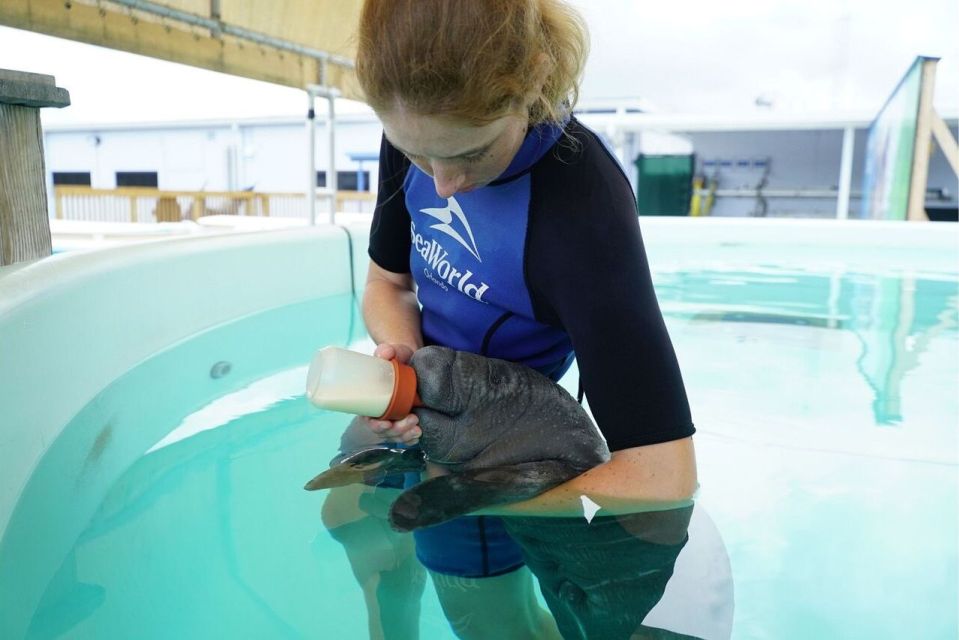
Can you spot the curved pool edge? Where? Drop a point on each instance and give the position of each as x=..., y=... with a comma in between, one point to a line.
x=72, y=323
x=87, y=291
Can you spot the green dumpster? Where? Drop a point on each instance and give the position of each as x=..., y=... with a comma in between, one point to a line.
x=664, y=184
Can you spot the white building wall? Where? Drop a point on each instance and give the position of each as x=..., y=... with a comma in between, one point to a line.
x=215, y=156
x=271, y=156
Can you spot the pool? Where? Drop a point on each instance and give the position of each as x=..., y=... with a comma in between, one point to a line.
x=154, y=449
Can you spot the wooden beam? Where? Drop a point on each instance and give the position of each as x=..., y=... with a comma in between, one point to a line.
x=942, y=134
x=109, y=26
x=916, y=209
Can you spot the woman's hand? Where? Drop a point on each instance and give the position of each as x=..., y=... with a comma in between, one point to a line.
x=406, y=430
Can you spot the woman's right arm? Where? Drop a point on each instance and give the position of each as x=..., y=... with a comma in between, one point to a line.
x=392, y=317
x=391, y=312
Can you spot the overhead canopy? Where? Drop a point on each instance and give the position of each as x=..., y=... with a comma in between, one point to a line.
x=289, y=42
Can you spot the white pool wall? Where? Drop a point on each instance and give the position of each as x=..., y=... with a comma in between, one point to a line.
x=73, y=323
x=823, y=246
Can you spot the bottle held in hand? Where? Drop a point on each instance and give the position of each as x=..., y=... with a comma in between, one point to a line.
x=350, y=382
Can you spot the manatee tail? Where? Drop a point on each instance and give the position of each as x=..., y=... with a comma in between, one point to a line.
x=440, y=499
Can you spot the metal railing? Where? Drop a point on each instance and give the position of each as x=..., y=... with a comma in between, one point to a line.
x=140, y=204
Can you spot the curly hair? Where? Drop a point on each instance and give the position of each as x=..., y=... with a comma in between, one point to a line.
x=473, y=59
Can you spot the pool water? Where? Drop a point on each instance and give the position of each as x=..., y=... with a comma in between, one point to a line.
x=827, y=445
x=172, y=507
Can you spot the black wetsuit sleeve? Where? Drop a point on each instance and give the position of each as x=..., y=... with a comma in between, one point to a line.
x=390, y=230
x=587, y=272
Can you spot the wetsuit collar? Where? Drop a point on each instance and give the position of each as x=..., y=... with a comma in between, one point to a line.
x=538, y=141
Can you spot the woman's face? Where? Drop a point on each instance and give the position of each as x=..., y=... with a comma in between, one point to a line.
x=459, y=156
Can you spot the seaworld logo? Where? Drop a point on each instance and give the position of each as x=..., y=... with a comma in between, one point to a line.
x=437, y=260
x=448, y=217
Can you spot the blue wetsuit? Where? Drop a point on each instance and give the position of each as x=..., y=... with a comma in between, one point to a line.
x=544, y=261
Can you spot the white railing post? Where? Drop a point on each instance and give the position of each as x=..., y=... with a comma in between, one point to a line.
x=845, y=173
x=311, y=163
x=331, y=172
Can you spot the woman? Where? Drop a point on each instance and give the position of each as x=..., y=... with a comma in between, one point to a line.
x=504, y=227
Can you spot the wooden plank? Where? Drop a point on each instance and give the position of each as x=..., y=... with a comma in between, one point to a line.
x=149, y=192
x=916, y=209
x=940, y=130
x=72, y=199
x=329, y=25
x=24, y=228
x=27, y=76
x=28, y=91
x=110, y=26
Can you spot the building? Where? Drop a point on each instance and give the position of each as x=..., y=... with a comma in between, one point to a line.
x=761, y=165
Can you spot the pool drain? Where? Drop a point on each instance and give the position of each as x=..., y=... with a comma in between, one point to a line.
x=220, y=369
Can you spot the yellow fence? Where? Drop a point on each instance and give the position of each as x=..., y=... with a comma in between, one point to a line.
x=136, y=204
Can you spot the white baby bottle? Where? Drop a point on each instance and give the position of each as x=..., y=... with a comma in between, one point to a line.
x=351, y=382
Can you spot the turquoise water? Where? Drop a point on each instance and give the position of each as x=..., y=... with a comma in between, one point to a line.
x=827, y=413
x=172, y=506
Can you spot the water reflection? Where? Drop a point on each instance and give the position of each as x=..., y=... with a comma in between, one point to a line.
x=894, y=318
x=601, y=578
x=383, y=561
x=897, y=318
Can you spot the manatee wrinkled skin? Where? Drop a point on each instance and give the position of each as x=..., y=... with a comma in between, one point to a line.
x=505, y=432
x=481, y=412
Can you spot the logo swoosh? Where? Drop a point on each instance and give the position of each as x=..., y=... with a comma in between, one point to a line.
x=448, y=217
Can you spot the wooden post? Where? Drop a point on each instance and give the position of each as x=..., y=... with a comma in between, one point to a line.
x=199, y=207
x=916, y=208
x=24, y=219
x=58, y=197
x=947, y=143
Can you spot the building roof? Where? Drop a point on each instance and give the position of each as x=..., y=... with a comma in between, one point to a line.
x=693, y=123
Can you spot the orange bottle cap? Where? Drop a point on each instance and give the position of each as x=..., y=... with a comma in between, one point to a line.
x=404, y=392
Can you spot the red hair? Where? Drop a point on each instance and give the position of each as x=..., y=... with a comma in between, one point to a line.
x=474, y=59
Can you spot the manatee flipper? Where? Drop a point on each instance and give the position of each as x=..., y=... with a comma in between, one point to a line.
x=368, y=466
x=440, y=499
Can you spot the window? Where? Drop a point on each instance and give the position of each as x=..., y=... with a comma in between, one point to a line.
x=347, y=180
x=80, y=178
x=137, y=179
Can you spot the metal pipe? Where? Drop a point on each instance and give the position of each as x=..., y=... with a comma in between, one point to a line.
x=845, y=173
x=331, y=172
x=777, y=193
x=330, y=94
x=311, y=164
x=233, y=159
x=218, y=26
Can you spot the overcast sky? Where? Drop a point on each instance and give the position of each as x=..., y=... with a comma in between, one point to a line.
x=683, y=56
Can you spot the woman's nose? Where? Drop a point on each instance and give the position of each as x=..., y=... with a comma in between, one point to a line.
x=447, y=178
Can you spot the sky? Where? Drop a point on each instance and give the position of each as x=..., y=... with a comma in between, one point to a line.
x=795, y=57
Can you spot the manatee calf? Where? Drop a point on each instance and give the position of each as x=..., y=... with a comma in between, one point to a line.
x=504, y=431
